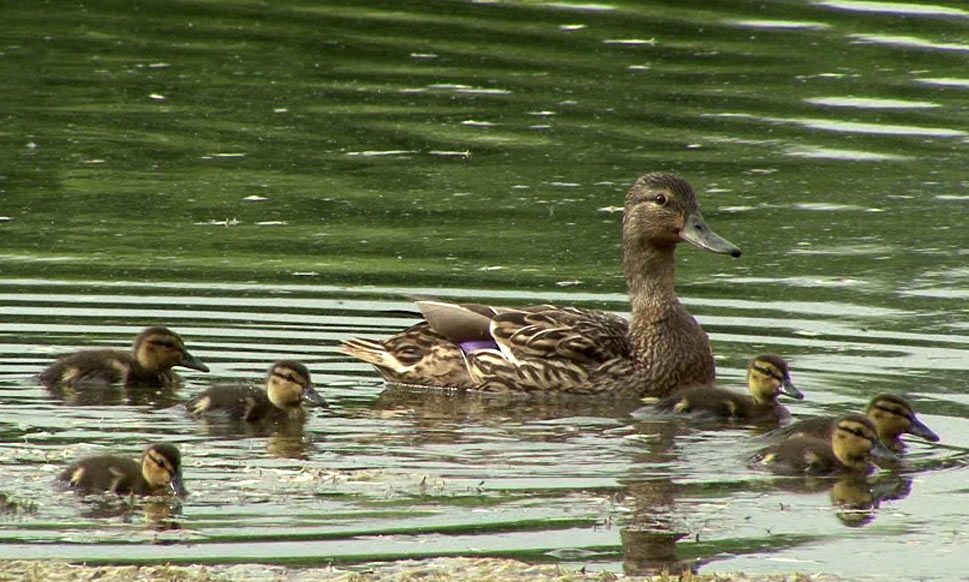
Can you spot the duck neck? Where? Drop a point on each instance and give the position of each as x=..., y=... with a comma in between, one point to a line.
x=651, y=275
x=851, y=459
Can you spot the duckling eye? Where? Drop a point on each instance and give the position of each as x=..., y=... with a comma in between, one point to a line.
x=660, y=199
x=895, y=412
x=159, y=462
x=768, y=372
x=163, y=343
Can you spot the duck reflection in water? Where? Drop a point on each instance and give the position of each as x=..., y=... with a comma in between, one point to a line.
x=443, y=415
x=158, y=513
x=275, y=410
x=856, y=499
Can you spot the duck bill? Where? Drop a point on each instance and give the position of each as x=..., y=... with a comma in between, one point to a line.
x=190, y=361
x=918, y=428
x=313, y=398
x=177, y=486
x=697, y=232
x=882, y=453
x=789, y=389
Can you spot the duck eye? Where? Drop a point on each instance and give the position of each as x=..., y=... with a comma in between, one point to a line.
x=661, y=199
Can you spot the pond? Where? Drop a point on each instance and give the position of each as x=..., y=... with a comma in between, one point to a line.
x=269, y=179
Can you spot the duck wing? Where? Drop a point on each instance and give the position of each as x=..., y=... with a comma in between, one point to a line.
x=551, y=349
x=471, y=345
x=586, y=337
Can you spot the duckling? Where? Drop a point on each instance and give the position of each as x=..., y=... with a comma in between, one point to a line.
x=156, y=350
x=892, y=416
x=287, y=386
x=768, y=376
x=850, y=448
x=159, y=472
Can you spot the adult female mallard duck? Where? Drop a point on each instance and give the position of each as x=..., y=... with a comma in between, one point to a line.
x=849, y=449
x=768, y=376
x=156, y=351
x=892, y=416
x=564, y=349
x=287, y=387
x=158, y=472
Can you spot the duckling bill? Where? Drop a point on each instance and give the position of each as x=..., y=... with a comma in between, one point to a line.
x=850, y=449
x=768, y=377
x=155, y=352
x=287, y=388
x=158, y=472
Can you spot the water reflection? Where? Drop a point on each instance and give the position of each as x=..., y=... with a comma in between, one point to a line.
x=157, y=513
x=285, y=437
x=395, y=165
x=429, y=406
x=115, y=395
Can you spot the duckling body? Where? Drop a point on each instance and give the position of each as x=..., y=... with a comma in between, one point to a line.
x=159, y=471
x=768, y=376
x=156, y=350
x=567, y=350
x=892, y=416
x=850, y=448
x=288, y=386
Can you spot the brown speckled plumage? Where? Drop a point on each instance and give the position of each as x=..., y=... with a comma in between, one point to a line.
x=567, y=350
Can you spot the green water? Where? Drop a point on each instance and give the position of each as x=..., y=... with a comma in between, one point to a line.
x=269, y=178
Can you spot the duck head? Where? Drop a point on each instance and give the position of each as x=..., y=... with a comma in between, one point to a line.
x=768, y=376
x=855, y=442
x=161, y=467
x=159, y=349
x=662, y=211
x=288, y=385
x=892, y=416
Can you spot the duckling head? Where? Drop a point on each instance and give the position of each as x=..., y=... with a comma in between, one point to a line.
x=768, y=376
x=662, y=211
x=288, y=385
x=161, y=466
x=892, y=416
x=159, y=349
x=854, y=442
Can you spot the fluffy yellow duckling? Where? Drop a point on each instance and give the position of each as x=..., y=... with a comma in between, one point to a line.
x=892, y=416
x=288, y=386
x=158, y=472
x=768, y=376
x=850, y=448
x=156, y=350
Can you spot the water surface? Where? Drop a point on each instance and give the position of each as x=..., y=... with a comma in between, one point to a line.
x=271, y=179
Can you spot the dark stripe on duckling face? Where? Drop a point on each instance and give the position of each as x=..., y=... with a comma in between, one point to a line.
x=858, y=432
x=289, y=385
x=774, y=367
x=855, y=439
x=905, y=420
x=161, y=468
